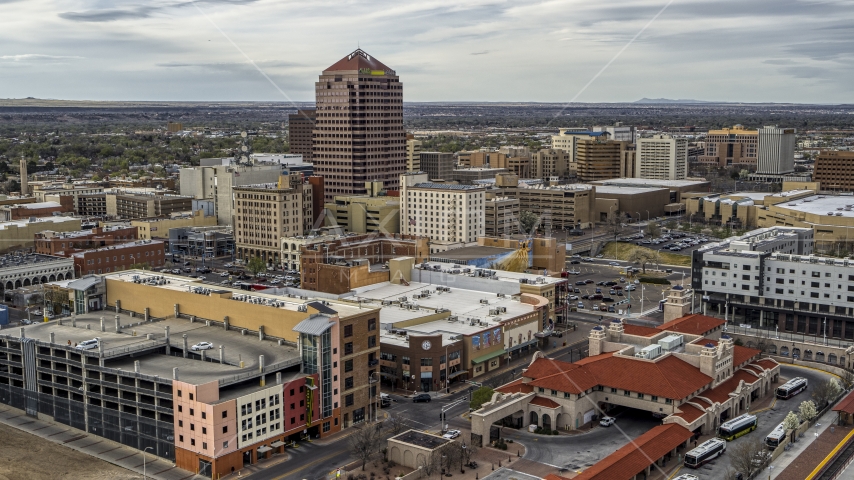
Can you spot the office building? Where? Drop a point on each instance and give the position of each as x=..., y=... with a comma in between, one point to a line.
x=75, y=190
x=216, y=181
x=148, y=254
x=49, y=242
x=550, y=163
x=443, y=212
x=834, y=170
x=470, y=175
x=679, y=189
x=501, y=216
x=437, y=165
x=559, y=207
x=207, y=242
x=519, y=165
x=598, y=158
x=359, y=136
x=21, y=233
x=300, y=128
x=619, y=132
x=35, y=210
x=150, y=228
x=662, y=157
x=776, y=151
x=364, y=214
x=265, y=213
x=731, y=146
x=413, y=154
x=124, y=206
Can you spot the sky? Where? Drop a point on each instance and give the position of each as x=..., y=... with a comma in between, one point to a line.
x=443, y=50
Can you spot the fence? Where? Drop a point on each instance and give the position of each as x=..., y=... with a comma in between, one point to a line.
x=771, y=334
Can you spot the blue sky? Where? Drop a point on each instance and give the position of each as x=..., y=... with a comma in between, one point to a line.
x=460, y=50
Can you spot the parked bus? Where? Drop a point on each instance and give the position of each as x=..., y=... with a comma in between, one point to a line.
x=792, y=388
x=705, y=452
x=775, y=437
x=738, y=426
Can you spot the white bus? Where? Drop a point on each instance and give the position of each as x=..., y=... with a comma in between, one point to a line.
x=775, y=437
x=792, y=388
x=738, y=426
x=705, y=452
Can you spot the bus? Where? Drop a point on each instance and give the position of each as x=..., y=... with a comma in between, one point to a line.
x=775, y=437
x=705, y=452
x=738, y=426
x=792, y=388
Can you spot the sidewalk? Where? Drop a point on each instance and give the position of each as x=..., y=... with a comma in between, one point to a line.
x=92, y=445
x=809, y=440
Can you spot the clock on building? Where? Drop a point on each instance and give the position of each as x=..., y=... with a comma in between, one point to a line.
x=426, y=345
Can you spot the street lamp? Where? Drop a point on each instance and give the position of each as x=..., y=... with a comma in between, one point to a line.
x=143, y=461
x=376, y=407
x=639, y=220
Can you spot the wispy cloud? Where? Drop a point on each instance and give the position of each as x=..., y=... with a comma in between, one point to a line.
x=37, y=57
x=480, y=53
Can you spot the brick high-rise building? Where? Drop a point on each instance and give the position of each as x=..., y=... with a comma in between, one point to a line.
x=358, y=134
x=731, y=146
x=300, y=127
x=598, y=158
x=834, y=170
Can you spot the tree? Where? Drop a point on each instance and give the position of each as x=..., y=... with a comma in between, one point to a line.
x=807, y=410
x=450, y=455
x=749, y=456
x=671, y=225
x=528, y=222
x=466, y=453
x=140, y=266
x=365, y=443
x=653, y=229
x=643, y=256
x=826, y=391
x=430, y=464
x=480, y=396
x=256, y=265
x=56, y=298
x=847, y=379
x=791, y=424
x=396, y=423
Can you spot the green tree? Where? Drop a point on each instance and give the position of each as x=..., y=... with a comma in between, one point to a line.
x=826, y=391
x=528, y=222
x=256, y=265
x=653, y=229
x=480, y=396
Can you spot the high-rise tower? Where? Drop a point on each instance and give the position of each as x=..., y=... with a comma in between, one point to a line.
x=358, y=132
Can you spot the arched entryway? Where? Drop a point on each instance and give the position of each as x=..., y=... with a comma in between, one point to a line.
x=547, y=421
x=558, y=421
x=533, y=419
x=784, y=351
x=831, y=358
x=807, y=354
x=796, y=353
x=52, y=278
x=27, y=282
x=819, y=356
x=44, y=279
x=772, y=349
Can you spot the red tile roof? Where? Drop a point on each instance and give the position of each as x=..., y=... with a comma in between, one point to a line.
x=356, y=60
x=689, y=412
x=692, y=324
x=516, y=386
x=595, y=358
x=846, y=404
x=669, y=377
x=740, y=355
x=552, y=476
x=544, y=402
x=640, y=330
x=721, y=393
x=767, y=363
x=633, y=458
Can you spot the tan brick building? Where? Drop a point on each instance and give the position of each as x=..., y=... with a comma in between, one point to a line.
x=65, y=243
x=300, y=127
x=116, y=258
x=834, y=170
x=731, y=146
x=598, y=158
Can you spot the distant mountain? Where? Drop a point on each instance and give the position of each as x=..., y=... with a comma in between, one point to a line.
x=668, y=100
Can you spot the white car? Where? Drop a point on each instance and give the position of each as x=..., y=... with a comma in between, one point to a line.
x=607, y=421
x=201, y=346
x=687, y=476
x=228, y=265
x=451, y=434
x=223, y=274
x=88, y=344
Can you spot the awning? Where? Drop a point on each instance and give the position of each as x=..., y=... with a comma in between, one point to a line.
x=489, y=356
x=277, y=444
x=264, y=449
x=457, y=374
x=520, y=345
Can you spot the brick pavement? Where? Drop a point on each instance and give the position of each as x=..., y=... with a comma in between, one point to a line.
x=816, y=450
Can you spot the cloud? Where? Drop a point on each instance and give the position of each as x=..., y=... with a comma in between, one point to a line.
x=480, y=53
x=108, y=15
x=783, y=61
x=37, y=57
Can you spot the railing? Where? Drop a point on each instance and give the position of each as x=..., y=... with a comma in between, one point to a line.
x=254, y=372
x=770, y=334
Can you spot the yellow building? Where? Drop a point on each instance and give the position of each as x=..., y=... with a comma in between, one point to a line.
x=21, y=233
x=740, y=210
x=364, y=214
x=159, y=227
x=413, y=154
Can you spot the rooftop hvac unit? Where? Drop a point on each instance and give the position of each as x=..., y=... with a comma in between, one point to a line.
x=403, y=299
x=484, y=301
x=302, y=308
x=523, y=280
x=493, y=311
x=502, y=309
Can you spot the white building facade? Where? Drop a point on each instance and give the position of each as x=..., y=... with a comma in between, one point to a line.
x=446, y=213
x=776, y=151
x=662, y=157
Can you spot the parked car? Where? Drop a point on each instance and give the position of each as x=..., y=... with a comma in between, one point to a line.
x=421, y=397
x=451, y=434
x=88, y=344
x=580, y=304
x=588, y=281
x=607, y=421
x=575, y=262
x=599, y=256
x=580, y=282
x=607, y=299
x=595, y=308
x=201, y=346
x=614, y=264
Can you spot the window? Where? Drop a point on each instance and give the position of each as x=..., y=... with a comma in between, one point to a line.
x=372, y=341
x=225, y=444
x=372, y=324
x=348, y=400
x=640, y=395
x=204, y=430
x=348, y=348
x=654, y=398
x=192, y=441
x=179, y=393
x=192, y=426
x=180, y=423
x=225, y=429
x=204, y=415
x=426, y=362
x=348, y=330
x=348, y=383
x=225, y=414
x=348, y=365
x=668, y=401
x=180, y=408
x=627, y=393
x=181, y=438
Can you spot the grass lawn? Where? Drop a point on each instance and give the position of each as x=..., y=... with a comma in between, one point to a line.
x=624, y=249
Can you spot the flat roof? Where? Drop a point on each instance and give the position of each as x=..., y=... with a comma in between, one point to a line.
x=132, y=340
x=651, y=182
x=421, y=439
x=24, y=223
x=17, y=260
x=35, y=205
x=473, y=252
x=626, y=190
x=119, y=246
x=181, y=283
x=501, y=275
x=822, y=205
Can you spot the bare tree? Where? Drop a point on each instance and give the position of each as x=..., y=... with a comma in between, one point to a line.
x=451, y=455
x=642, y=256
x=56, y=298
x=396, y=423
x=466, y=452
x=749, y=456
x=847, y=379
x=365, y=443
x=653, y=229
x=431, y=464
